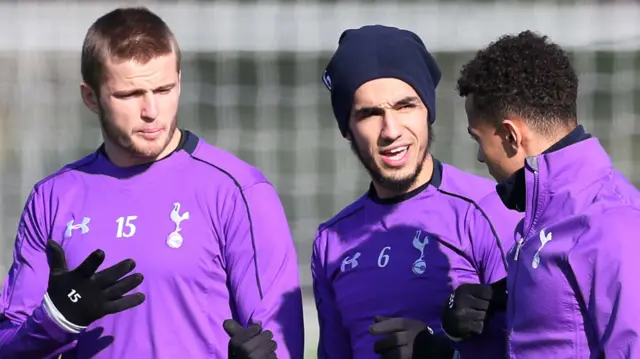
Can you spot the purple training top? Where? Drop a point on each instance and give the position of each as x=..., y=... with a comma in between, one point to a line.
x=208, y=232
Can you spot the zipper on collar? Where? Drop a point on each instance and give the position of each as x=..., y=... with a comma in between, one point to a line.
x=532, y=162
x=518, y=247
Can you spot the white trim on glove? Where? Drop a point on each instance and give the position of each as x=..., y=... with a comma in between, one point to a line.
x=453, y=339
x=58, y=318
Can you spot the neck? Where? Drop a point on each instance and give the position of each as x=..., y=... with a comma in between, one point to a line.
x=542, y=143
x=120, y=157
x=423, y=177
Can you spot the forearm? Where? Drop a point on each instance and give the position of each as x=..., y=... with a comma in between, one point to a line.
x=282, y=314
x=333, y=349
x=263, y=268
x=334, y=341
x=37, y=337
x=490, y=344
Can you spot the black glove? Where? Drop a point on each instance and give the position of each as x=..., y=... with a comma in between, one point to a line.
x=83, y=296
x=429, y=346
x=471, y=306
x=249, y=343
x=399, y=336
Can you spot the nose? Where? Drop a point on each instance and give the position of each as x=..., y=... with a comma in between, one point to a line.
x=391, y=128
x=149, y=107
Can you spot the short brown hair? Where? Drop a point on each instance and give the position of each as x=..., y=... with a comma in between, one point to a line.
x=133, y=33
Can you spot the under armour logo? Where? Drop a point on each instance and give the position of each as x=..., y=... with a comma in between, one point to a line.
x=348, y=261
x=82, y=226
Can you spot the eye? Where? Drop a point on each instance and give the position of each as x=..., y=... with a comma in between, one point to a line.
x=408, y=105
x=125, y=96
x=128, y=95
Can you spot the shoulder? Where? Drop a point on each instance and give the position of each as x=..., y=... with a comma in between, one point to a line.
x=485, y=214
x=224, y=166
x=464, y=185
x=612, y=213
x=344, y=215
x=606, y=242
x=478, y=192
x=333, y=237
x=343, y=219
x=610, y=224
x=67, y=177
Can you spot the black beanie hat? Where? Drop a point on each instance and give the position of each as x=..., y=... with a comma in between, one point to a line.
x=375, y=51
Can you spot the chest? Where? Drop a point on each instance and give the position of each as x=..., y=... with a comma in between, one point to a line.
x=406, y=272
x=169, y=233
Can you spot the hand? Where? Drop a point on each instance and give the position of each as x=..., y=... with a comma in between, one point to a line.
x=499, y=297
x=249, y=343
x=83, y=296
x=399, y=333
x=428, y=346
x=471, y=306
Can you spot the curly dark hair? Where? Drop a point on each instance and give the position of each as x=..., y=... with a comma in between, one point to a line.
x=526, y=75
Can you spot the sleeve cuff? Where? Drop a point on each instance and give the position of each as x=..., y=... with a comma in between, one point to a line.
x=453, y=339
x=58, y=318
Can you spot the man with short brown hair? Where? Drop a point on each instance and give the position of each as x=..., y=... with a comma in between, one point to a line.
x=207, y=230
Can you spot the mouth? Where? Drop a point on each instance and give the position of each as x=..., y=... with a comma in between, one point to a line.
x=150, y=134
x=395, y=157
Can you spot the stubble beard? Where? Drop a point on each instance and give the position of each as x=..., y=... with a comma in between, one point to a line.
x=126, y=144
x=392, y=183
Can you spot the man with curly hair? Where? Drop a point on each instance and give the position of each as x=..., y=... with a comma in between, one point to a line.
x=572, y=286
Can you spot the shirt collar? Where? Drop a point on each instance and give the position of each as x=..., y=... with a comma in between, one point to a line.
x=512, y=191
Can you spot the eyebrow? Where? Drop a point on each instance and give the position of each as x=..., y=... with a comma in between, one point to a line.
x=378, y=111
x=139, y=91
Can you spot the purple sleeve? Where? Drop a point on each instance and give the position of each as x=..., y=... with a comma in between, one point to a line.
x=492, y=228
x=263, y=267
x=605, y=266
x=334, y=338
x=26, y=330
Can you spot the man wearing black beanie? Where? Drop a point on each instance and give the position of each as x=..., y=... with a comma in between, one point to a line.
x=385, y=265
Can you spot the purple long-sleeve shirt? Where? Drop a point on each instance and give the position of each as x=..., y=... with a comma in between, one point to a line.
x=208, y=232
x=403, y=257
